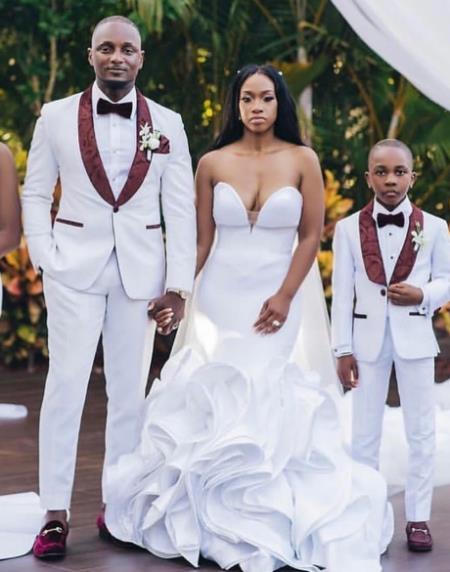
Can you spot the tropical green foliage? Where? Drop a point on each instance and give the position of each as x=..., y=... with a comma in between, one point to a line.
x=194, y=47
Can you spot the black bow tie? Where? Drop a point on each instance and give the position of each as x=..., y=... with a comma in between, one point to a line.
x=122, y=109
x=384, y=219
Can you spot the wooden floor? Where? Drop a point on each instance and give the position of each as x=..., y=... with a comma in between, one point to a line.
x=18, y=472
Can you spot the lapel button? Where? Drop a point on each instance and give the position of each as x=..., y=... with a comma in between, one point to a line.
x=115, y=209
x=383, y=291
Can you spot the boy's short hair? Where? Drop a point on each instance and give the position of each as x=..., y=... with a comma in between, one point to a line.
x=395, y=143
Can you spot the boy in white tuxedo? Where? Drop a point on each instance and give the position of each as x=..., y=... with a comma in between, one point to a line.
x=116, y=153
x=391, y=272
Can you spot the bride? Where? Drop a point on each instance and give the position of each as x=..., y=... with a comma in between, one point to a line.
x=241, y=458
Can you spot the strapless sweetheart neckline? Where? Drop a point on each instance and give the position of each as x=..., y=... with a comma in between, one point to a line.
x=257, y=213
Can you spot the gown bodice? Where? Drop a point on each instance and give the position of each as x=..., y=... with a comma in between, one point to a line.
x=272, y=229
x=248, y=264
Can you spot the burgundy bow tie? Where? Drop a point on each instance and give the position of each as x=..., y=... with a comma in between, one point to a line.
x=384, y=219
x=123, y=109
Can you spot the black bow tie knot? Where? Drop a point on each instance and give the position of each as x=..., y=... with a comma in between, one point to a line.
x=385, y=219
x=123, y=109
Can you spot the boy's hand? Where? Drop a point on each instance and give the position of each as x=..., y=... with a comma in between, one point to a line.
x=404, y=294
x=347, y=370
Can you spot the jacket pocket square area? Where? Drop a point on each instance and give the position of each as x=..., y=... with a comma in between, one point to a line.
x=69, y=222
x=164, y=146
x=417, y=314
x=360, y=316
x=152, y=226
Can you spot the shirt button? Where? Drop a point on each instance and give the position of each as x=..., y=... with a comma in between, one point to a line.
x=390, y=234
x=392, y=258
x=383, y=291
x=115, y=209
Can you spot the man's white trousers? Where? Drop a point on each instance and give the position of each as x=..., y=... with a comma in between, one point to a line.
x=76, y=319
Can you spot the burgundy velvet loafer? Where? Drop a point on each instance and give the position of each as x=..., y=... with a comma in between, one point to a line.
x=419, y=537
x=51, y=540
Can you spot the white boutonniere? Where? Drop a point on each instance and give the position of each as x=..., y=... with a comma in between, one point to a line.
x=418, y=237
x=150, y=139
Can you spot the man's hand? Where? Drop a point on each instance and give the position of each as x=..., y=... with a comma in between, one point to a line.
x=404, y=294
x=347, y=370
x=167, y=311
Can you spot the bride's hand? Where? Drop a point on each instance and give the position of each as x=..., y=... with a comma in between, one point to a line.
x=167, y=311
x=273, y=314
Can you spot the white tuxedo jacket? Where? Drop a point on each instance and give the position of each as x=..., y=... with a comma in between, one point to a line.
x=90, y=222
x=361, y=309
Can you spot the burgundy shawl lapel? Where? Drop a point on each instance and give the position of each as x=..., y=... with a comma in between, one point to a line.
x=89, y=150
x=141, y=164
x=370, y=247
x=408, y=255
x=91, y=156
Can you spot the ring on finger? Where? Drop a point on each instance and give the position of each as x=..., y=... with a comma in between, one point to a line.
x=276, y=323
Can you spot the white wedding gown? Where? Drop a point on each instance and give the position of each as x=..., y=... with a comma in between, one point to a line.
x=241, y=458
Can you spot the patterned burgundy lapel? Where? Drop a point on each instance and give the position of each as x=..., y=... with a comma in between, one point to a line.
x=91, y=156
x=141, y=164
x=408, y=255
x=370, y=247
x=89, y=150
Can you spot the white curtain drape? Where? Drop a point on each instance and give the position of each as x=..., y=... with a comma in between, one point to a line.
x=413, y=36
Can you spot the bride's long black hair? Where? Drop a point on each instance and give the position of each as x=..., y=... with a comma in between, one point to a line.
x=286, y=124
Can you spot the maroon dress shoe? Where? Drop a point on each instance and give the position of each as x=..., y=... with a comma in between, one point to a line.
x=51, y=540
x=418, y=537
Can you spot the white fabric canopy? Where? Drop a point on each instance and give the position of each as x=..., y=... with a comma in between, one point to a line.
x=413, y=36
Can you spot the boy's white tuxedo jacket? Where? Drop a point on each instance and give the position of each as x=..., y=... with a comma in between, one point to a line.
x=76, y=248
x=360, y=306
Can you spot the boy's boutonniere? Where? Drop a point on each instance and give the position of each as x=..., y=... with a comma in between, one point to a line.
x=150, y=139
x=418, y=237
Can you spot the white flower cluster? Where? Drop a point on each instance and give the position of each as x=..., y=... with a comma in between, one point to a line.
x=418, y=237
x=149, y=139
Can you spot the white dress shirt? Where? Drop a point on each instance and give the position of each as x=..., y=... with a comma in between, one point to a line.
x=392, y=237
x=116, y=139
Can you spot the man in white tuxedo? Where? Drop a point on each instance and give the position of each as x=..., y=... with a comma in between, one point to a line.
x=116, y=155
x=391, y=272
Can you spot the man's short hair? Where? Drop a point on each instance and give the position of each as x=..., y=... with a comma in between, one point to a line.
x=116, y=18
